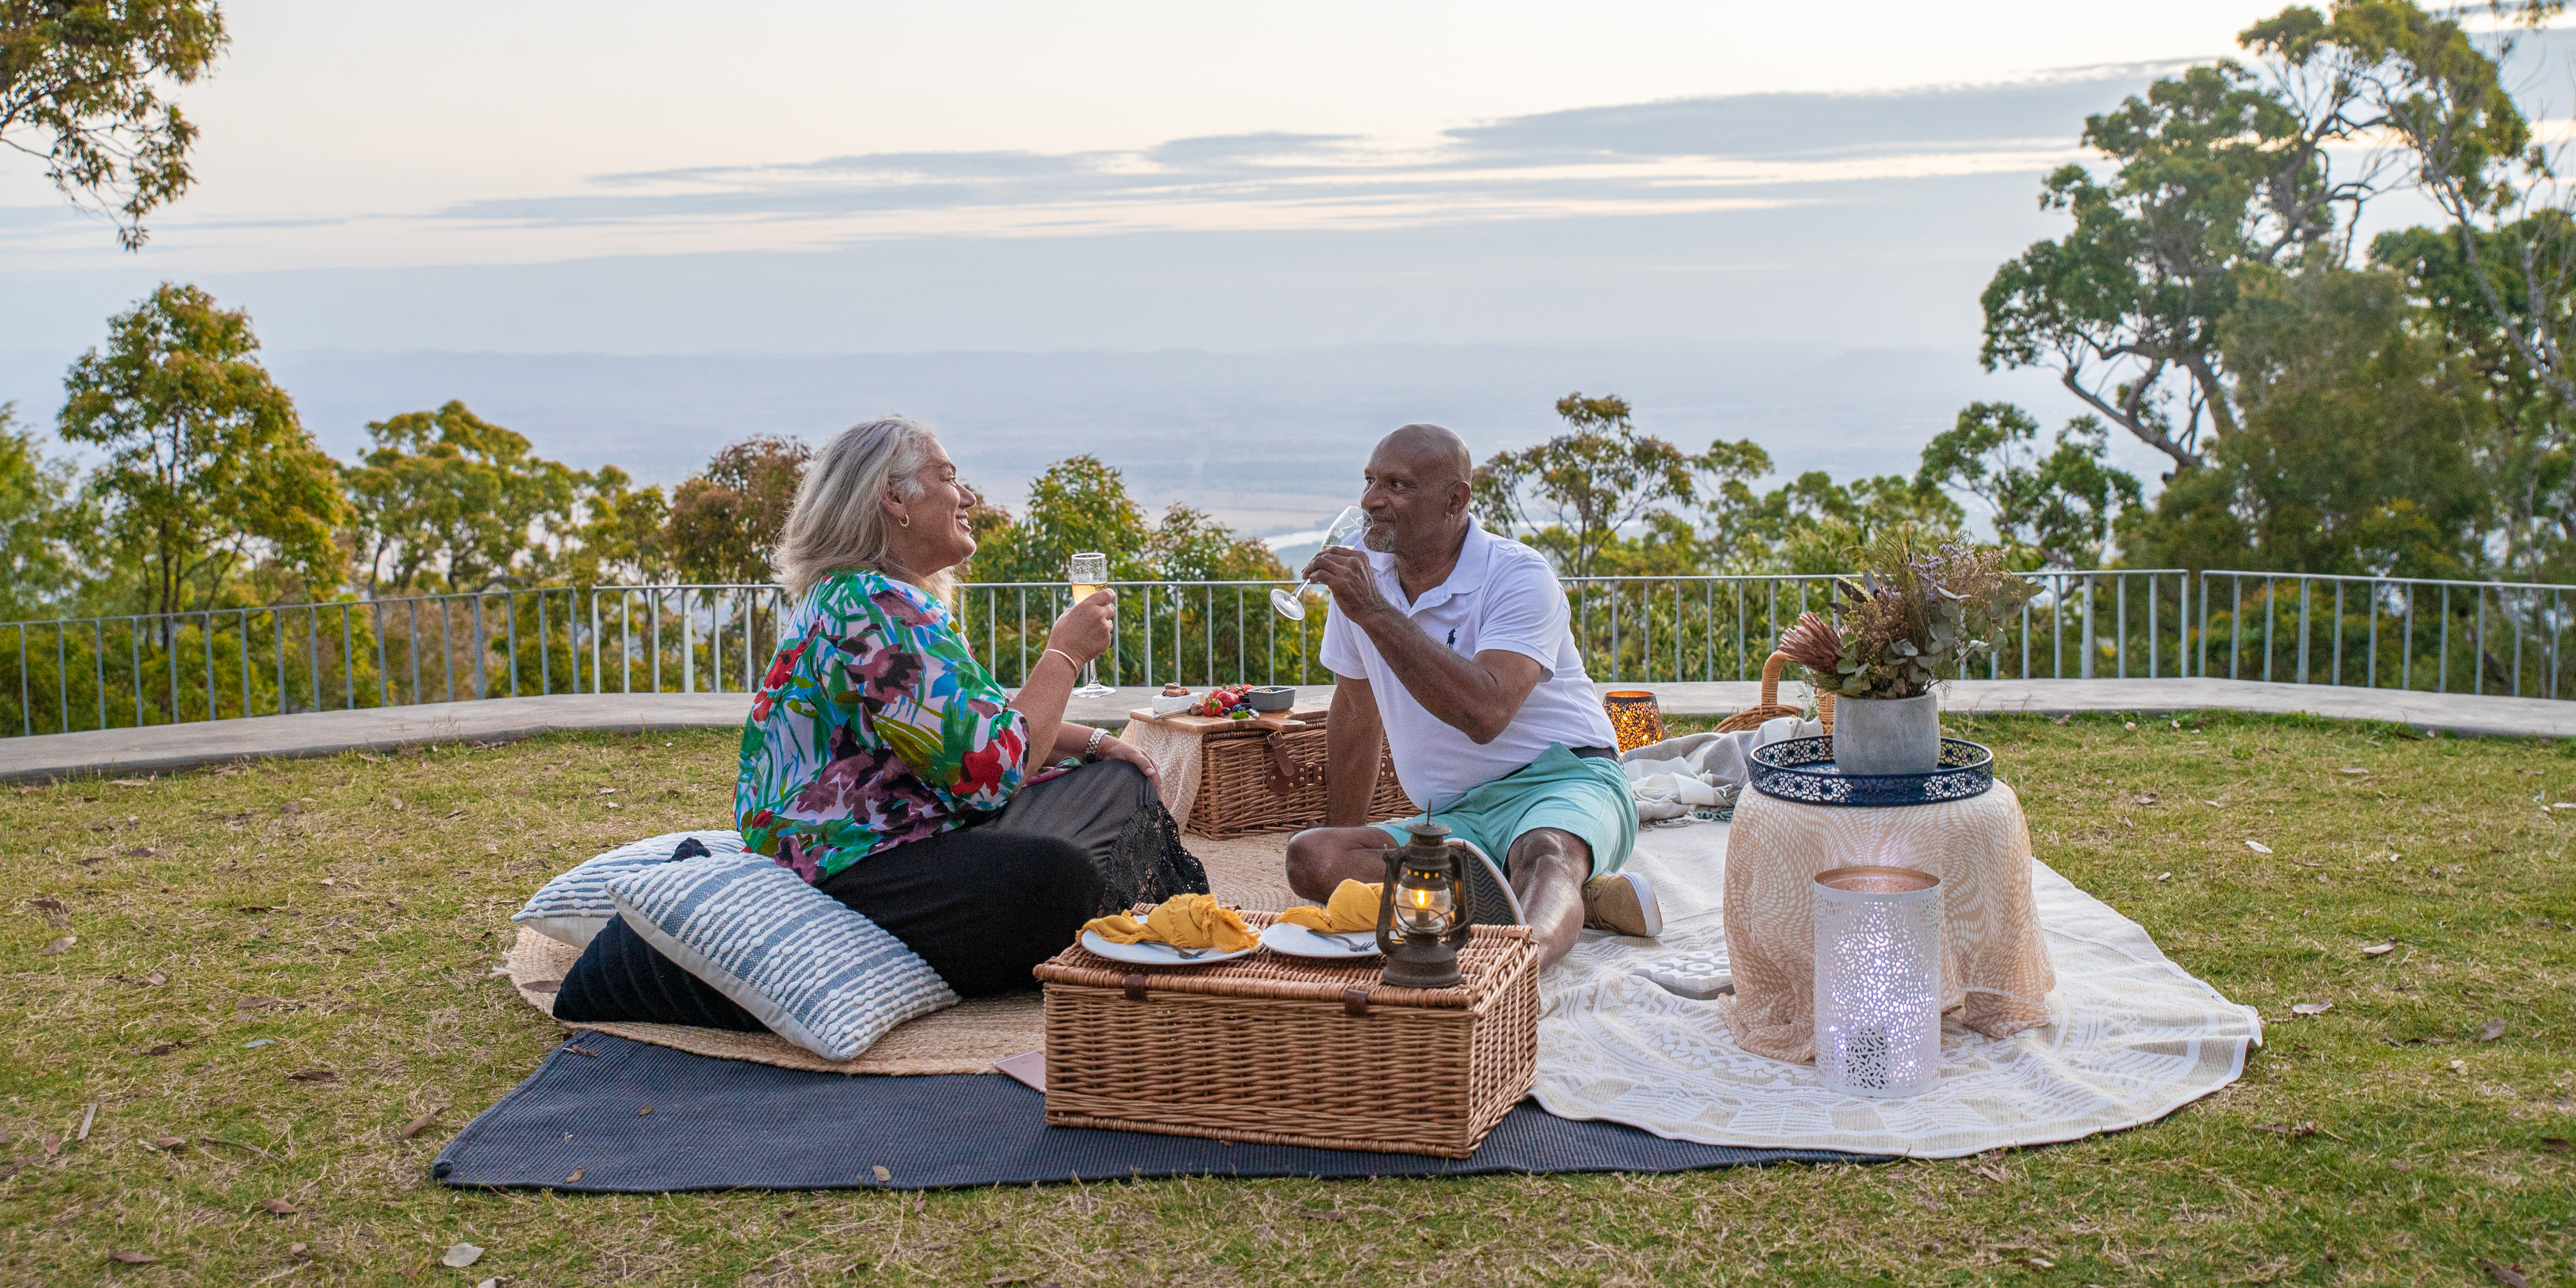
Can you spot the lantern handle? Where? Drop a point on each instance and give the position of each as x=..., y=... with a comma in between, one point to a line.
x=1462, y=892
x=1394, y=856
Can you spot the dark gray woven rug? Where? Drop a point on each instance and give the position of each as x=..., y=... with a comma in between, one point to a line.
x=576, y=1124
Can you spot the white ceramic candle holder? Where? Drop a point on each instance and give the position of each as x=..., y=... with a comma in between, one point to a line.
x=1878, y=980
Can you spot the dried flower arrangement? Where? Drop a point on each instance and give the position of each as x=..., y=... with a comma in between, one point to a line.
x=1915, y=616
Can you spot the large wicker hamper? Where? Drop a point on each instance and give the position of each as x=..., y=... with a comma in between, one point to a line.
x=1256, y=780
x=1285, y=1051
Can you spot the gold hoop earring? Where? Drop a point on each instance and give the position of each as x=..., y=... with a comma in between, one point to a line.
x=903, y=520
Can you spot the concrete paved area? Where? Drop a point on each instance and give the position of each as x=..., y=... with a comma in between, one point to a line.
x=165, y=748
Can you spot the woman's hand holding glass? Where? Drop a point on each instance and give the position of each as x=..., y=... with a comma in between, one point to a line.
x=1083, y=632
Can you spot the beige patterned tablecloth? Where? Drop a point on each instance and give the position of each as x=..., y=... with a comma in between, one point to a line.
x=1995, y=971
x=1177, y=755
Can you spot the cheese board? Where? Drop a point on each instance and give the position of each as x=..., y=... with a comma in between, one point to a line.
x=1272, y=720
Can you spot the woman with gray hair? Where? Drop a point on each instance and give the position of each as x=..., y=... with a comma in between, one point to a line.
x=883, y=763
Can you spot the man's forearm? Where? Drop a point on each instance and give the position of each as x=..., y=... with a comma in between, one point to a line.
x=1351, y=739
x=1458, y=691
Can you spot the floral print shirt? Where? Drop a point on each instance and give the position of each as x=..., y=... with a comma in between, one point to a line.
x=874, y=726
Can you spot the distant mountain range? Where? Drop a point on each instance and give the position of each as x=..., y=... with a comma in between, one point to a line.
x=1271, y=441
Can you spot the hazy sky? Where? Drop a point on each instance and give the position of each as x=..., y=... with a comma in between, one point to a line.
x=341, y=135
x=648, y=177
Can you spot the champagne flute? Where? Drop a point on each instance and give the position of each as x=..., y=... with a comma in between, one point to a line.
x=1089, y=574
x=1345, y=529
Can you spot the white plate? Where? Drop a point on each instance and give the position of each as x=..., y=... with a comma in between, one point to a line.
x=1297, y=941
x=1154, y=954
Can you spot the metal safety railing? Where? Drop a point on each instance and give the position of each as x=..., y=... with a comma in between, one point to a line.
x=225, y=663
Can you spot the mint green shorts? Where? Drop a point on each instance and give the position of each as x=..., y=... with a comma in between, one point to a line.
x=1584, y=795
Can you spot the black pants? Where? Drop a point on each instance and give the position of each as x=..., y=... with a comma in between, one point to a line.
x=982, y=903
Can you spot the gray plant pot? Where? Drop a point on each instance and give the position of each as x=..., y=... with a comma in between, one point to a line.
x=1887, y=735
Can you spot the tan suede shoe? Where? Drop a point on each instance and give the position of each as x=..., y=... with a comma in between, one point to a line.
x=1622, y=903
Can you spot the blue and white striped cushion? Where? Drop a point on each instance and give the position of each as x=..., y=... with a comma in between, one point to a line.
x=572, y=907
x=817, y=973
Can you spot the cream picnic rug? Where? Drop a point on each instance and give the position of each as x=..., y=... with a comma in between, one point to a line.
x=2131, y=1037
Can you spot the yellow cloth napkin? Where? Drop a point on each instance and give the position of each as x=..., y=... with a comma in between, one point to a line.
x=1183, y=921
x=1352, y=907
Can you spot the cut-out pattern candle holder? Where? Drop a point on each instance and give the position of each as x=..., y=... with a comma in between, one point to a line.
x=1878, y=980
x=1634, y=716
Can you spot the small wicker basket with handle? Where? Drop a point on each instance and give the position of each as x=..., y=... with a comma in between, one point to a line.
x=1771, y=708
x=1273, y=781
x=1285, y=1051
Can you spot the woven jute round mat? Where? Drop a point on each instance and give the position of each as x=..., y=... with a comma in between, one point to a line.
x=966, y=1038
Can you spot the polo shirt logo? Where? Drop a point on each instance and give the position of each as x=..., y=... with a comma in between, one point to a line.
x=1453, y=639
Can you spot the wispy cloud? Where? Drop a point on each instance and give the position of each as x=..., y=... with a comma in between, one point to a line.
x=1651, y=158
x=1682, y=156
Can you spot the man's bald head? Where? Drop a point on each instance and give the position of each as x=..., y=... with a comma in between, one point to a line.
x=1433, y=451
x=1419, y=488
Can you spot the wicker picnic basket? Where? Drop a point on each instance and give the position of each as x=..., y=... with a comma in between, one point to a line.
x=1771, y=708
x=1284, y=1051
x=1256, y=780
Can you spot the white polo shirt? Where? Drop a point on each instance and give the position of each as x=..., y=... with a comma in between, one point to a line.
x=1502, y=595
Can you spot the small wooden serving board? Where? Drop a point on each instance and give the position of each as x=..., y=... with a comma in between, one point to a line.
x=1185, y=723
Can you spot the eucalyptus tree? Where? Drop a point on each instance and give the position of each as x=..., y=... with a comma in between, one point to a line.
x=208, y=472
x=80, y=93
x=2218, y=172
x=447, y=500
x=2057, y=509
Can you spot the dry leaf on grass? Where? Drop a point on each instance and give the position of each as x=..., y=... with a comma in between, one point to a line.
x=168, y=1142
x=156, y=979
x=2310, y=1008
x=372, y=760
x=315, y=1075
x=2510, y=1276
x=48, y=905
x=2164, y=876
x=2557, y=1145
x=291, y=807
x=129, y=782
x=2258, y=847
x=251, y=1004
x=143, y=852
x=2380, y=949
x=2490, y=1031
x=165, y=1048
x=279, y=1207
x=397, y=804
x=461, y=1256
x=123, y=1257
x=55, y=949
x=2352, y=769
x=418, y=1125
x=53, y=1145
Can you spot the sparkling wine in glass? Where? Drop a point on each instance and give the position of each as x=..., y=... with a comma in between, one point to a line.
x=1345, y=530
x=1089, y=574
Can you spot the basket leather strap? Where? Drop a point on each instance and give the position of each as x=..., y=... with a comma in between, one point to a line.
x=1355, y=1002
x=1135, y=985
x=1286, y=775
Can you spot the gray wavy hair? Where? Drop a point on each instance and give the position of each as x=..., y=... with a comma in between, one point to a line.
x=837, y=524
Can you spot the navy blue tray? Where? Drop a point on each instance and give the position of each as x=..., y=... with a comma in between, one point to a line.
x=1803, y=770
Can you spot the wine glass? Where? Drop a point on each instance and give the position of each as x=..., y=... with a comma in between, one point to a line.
x=1345, y=530
x=1089, y=573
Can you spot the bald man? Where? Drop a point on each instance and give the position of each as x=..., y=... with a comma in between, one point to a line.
x=1455, y=642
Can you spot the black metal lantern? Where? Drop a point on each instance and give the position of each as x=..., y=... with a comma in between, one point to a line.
x=1428, y=909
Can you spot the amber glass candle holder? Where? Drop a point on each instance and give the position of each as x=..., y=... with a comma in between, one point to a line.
x=1634, y=716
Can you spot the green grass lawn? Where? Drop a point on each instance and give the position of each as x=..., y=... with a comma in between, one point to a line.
x=348, y=913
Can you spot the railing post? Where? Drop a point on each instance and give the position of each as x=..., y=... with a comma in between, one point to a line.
x=2442, y=659
x=2304, y=596
x=2338, y=633
x=688, y=645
